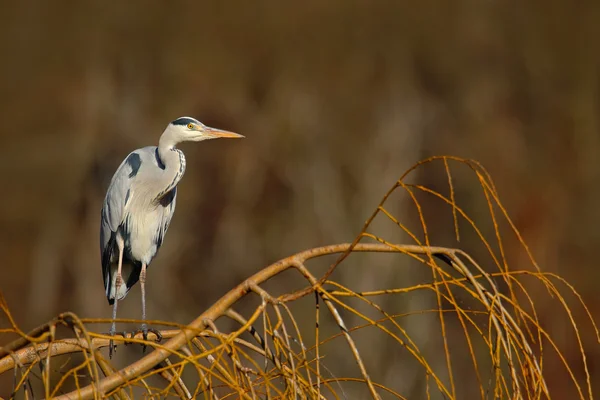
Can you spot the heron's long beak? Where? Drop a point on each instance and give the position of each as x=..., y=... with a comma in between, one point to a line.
x=219, y=133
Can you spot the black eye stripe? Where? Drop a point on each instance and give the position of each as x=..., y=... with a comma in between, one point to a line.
x=184, y=121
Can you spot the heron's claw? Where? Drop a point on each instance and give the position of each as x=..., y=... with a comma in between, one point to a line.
x=111, y=343
x=112, y=347
x=159, y=336
x=144, y=331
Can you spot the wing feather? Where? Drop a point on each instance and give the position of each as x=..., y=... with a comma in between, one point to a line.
x=113, y=210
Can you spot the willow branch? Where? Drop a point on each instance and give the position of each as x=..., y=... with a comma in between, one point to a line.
x=222, y=305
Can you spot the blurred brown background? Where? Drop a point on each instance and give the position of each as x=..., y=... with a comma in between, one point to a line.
x=336, y=99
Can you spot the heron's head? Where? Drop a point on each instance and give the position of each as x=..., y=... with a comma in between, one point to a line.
x=186, y=129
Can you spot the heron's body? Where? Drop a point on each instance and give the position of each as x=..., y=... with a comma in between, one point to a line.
x=131, y=216
x=139, y=205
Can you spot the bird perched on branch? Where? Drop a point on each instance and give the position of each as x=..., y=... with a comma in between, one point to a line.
x=138, y=208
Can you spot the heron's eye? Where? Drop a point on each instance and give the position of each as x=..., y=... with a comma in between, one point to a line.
x=190, y=126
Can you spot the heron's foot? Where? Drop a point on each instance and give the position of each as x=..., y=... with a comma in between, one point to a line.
x=112, y=347
x=143, y=329
x=111, y=343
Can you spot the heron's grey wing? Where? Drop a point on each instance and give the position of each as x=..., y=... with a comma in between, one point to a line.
x=113, y=209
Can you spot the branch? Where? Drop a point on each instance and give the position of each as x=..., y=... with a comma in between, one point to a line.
x=222, y=305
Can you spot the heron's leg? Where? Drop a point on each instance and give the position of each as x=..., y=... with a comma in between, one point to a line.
x=143, y=285
x=118, y=283
x=144, y=328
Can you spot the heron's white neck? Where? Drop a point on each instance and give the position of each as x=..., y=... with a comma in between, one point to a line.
x=173, y=161
x=167, y=141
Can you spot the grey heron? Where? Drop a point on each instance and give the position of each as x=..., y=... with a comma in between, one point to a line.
x=138, y=208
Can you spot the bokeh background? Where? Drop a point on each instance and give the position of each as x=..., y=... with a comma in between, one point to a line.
x=336, y=100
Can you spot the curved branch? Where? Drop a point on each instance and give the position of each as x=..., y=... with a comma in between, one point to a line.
x=222, y=305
